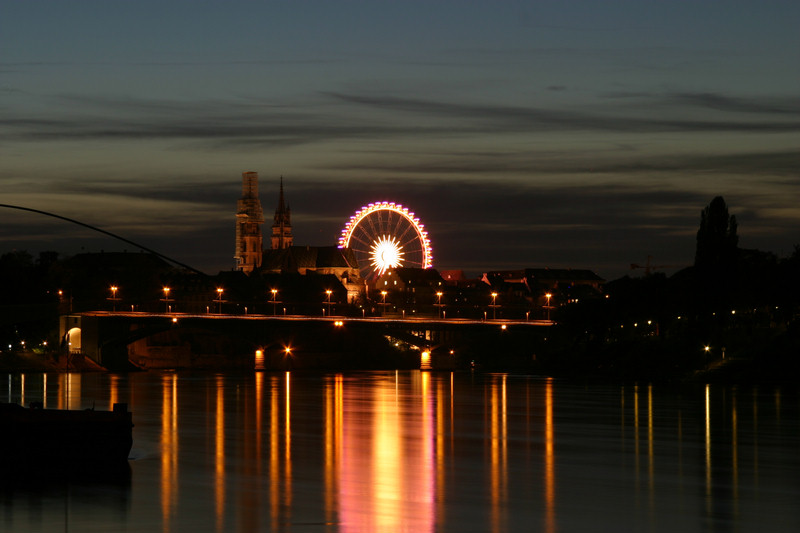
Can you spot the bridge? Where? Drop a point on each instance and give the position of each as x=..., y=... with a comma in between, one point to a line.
x=125, y=340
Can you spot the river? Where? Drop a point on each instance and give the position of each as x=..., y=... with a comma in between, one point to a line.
x=421, y=452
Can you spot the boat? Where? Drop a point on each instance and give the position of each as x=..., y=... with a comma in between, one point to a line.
x=35, y=439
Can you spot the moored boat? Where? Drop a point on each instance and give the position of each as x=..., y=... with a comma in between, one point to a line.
x=37, y=439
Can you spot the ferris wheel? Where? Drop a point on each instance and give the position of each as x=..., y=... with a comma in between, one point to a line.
x=386, y=235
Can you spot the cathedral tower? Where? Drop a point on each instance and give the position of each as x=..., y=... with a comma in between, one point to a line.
x=282, y=228
x=249, y=218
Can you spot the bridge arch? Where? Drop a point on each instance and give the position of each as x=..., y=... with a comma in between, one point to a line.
x=175, y=345
x=72, y=340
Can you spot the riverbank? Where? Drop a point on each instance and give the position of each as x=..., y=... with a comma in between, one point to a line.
x=752, y=359
x=18, y=362
x=740, y=357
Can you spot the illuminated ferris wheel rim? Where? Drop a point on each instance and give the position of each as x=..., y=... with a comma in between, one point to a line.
x=352, y=224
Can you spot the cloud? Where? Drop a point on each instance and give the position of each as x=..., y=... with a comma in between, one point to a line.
x=529, y=118
x=618, y=163
x=253, y=124
x=721, y=102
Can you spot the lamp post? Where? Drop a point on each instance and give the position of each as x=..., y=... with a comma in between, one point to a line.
x=166, y=299
x=383, y=311
x=494, y=306
x=220, y=290
x=274, y=294
x=113, y=297
x=439, y=302
x=329, y=292
x=548, y=296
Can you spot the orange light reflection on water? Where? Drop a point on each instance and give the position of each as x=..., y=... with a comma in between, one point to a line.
x=113, y=393
x=219, y=454
x=387, y=476
x=498, y=446
x=287, y=450
x=274, y=458
x=549, y=460
x=169, y=449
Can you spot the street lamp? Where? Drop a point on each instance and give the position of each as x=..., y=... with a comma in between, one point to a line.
x=274, y=294
x=439, y=302
x=548, y=296
x=114, y=297
x=383, y=293
x=329, y=292
x=166, y=299
x=220, y=290
x=494, y=305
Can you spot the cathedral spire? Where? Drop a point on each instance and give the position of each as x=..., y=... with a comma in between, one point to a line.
x=282, y=227
x=281, y=207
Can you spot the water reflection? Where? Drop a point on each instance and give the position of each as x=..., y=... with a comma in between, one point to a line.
x=169, y=449
x=549, y=460
x=420, y=451
x=386, y=477
x=498, y=435
x=219, y=453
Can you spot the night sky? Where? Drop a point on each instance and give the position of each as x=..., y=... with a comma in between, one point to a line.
x=524, y=134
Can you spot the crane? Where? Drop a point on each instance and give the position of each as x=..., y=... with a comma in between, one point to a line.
x=649, y=268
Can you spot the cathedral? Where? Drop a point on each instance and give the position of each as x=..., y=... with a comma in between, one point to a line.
x=249, y=217
x=283, y=256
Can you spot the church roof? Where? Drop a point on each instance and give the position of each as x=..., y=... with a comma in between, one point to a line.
x=294, y=258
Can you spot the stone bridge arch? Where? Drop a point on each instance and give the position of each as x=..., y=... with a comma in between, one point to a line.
x=180, y=344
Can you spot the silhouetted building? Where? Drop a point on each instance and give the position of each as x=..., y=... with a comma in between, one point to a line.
x=408, y=279
x=282, y=226
x=453, y=277
x=323, y=260
x=410, y=290
x=249, y=218
x=533, y=284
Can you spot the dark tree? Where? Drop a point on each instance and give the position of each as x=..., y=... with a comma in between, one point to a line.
x=716, y=238
x=715, y=261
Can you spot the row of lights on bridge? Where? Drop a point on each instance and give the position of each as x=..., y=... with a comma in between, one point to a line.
x=328, y=293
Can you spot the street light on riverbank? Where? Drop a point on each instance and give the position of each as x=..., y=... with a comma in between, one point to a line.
x=113, y=298
x=220, y=290
x=548, y=296
x=166, y=299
